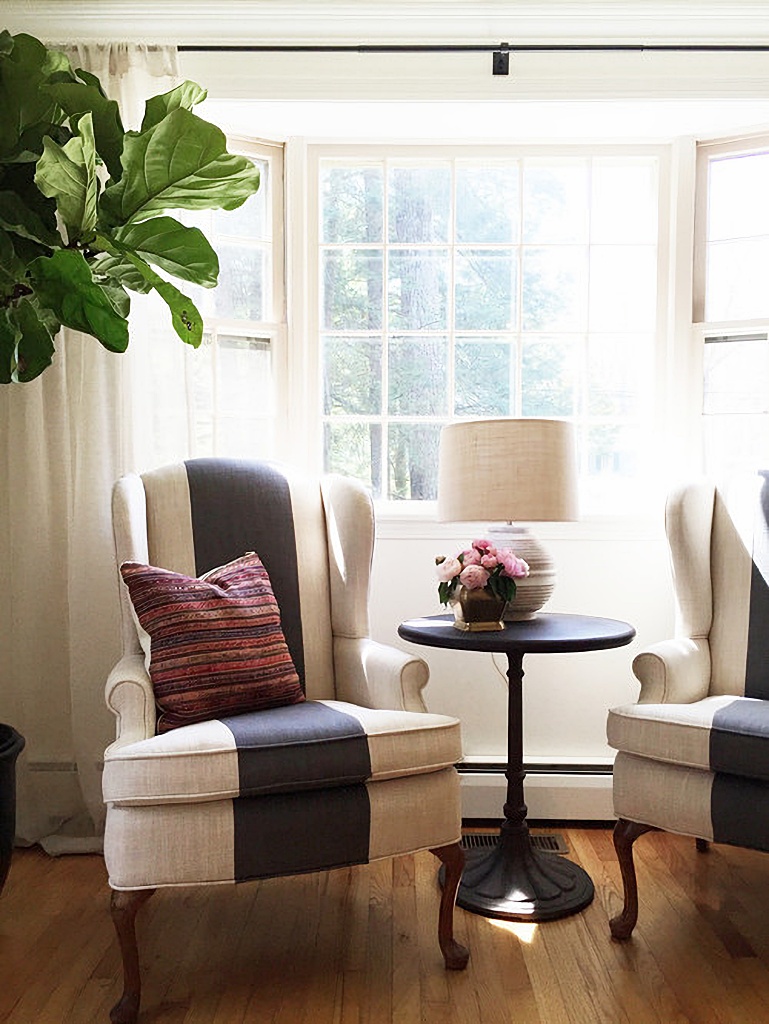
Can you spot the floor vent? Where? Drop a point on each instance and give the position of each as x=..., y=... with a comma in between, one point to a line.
x=551, y=842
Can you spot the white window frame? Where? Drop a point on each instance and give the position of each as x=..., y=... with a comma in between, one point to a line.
x=273, y=326
x=303, y=174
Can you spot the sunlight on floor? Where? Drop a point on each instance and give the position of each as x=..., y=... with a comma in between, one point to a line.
x=522, y=930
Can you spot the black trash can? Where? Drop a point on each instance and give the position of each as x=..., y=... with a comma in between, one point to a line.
x=11, y=745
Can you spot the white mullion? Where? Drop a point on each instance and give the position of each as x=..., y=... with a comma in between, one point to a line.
x=384, y=408
x=452, y=284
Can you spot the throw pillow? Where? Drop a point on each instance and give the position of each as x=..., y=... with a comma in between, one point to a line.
x=213, y=646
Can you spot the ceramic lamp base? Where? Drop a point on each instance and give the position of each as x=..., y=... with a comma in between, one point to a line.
x=536, y=589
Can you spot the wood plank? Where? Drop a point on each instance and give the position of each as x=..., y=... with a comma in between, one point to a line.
x=359, y=946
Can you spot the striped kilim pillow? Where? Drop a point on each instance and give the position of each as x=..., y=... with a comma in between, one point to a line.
x=214, y=646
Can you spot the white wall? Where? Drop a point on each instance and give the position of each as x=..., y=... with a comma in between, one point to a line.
x=602, y=570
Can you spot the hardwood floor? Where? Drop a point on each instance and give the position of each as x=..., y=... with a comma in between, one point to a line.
x=360, y=946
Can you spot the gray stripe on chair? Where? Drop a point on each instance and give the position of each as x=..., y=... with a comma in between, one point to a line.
x=739, y=739
x=239, y=506
x=304, y=746
x=739, y=810
x=292, y=833
x=757, y=658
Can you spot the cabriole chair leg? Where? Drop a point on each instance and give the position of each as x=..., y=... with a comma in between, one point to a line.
x=625, y=834
x=124, y=906
x=455, y=955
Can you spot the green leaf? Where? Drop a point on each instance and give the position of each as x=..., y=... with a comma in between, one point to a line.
x=88, y=95
x=182, y=251
x=26, y=110
x=16, y=216
x=65, y=284
x=6, y=42
x=11, y=267
x=186, y=320
x=9, y=337
x=180, y=163
x=110, y=267
x=35, y=348
x=157, y=107
x=68, y=175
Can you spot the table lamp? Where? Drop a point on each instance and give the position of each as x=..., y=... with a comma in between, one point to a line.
x=505, y=472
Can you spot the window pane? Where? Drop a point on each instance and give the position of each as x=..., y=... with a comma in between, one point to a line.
x=623, y=286
x=412, y=454
x=737, y=280
x=417, y=289
x=612, y=450
x=249, y=220
x=418, y=376
x=619, y=375
x=738, y=199
x=735, y=444
x=245, y=376
x=624, y=201
x=487, y=203
x=548, y=377
x=352, y=376
x=555, y=201
x=352, y=289
x=555, y=288
x=355, y=449
x=240, y=292
x=484, y=374
x=486, y=289
x=736, y=377
x=419, y=204
x=352, y=199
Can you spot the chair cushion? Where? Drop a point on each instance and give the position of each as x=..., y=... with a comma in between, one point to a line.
x=213, y=646
x=312, y=745
x=720, y=734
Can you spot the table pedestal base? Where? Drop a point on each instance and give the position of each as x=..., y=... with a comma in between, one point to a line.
x=517, y=882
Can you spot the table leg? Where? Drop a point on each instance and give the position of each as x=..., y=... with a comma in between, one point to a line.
x=515, y=881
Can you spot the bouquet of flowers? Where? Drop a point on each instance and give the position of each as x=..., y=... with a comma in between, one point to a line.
x=481, y=566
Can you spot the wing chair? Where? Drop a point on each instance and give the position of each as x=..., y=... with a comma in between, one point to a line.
x=693, y=753
x=347, y=767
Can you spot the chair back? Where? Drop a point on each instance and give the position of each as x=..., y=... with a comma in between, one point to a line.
x=719, y=539
x=194, y=516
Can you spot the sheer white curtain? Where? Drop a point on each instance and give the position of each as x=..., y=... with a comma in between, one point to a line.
x=66, y=438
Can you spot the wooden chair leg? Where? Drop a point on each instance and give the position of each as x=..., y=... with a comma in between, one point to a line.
x=453, y=859
x=625, y=834
x=124, y=907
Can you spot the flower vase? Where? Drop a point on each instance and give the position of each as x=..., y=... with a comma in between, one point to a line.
x=478, y=610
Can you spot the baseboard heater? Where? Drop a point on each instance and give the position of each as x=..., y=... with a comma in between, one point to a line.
x=548, y=842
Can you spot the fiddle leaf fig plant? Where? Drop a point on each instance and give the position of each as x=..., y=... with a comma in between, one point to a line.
x=84, y=205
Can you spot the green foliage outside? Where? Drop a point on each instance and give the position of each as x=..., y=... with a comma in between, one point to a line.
x=84, y=205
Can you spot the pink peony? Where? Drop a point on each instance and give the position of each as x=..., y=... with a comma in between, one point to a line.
x=489, y=560
x=471, y=557
x=448, y=569
x=513, y=566
x=474, y=577
x=484, y=546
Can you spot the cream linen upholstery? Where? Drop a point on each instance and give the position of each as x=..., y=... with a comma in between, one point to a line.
x=694, y=751
x=358, y=771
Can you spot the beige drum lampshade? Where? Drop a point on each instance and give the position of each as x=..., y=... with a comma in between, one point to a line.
x=511, y=471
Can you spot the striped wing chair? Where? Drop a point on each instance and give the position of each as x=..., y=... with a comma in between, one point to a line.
x=351, y=769
x=694, y=751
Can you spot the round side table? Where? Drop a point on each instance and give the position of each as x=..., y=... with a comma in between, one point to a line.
x=515, y=881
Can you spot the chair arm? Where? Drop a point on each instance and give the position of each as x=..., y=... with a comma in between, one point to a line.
x=131, y=700
x=375, y=675
x=673, y=672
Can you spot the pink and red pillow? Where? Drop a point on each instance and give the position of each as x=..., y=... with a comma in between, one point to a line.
x=214, y=646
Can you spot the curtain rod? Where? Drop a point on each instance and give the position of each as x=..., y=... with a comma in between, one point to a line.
x=501, y=51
